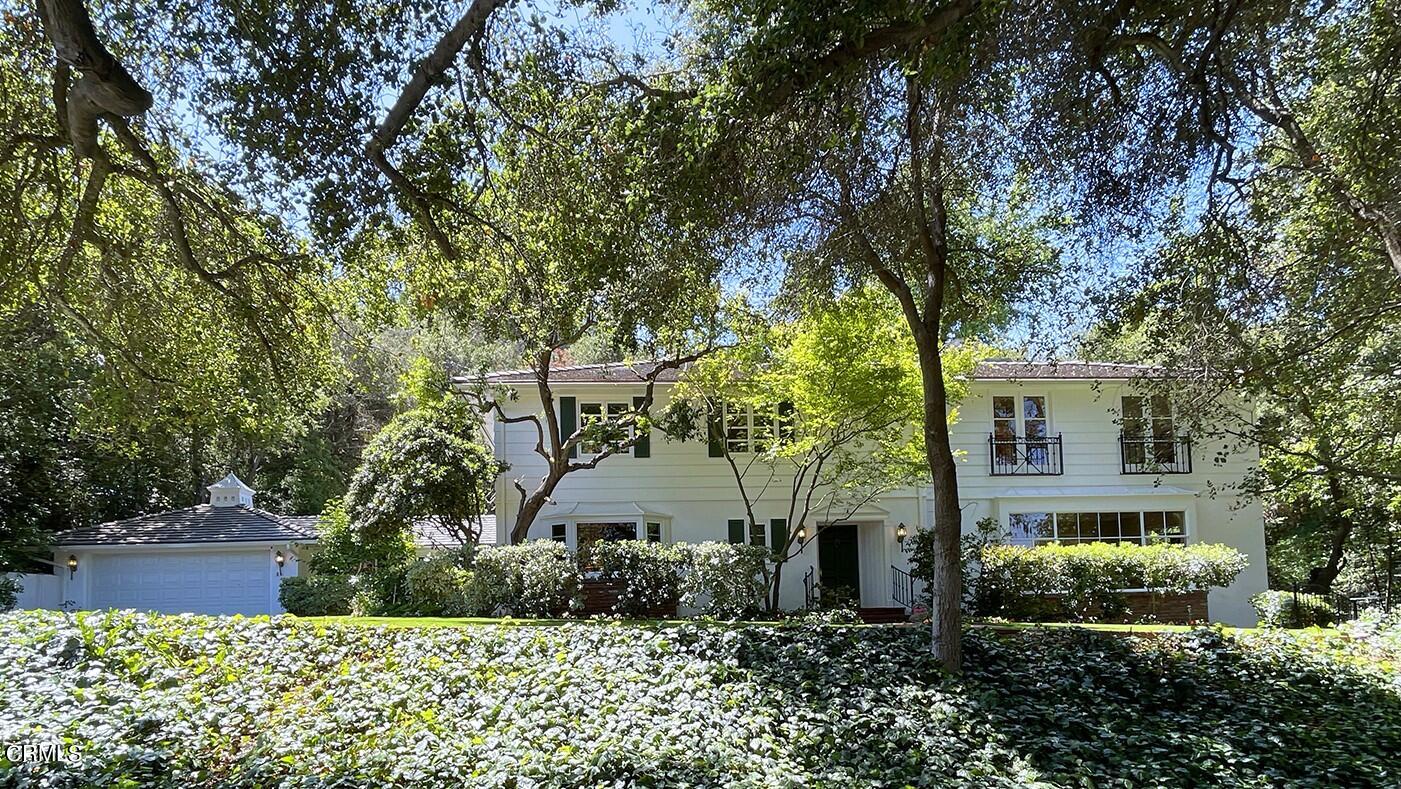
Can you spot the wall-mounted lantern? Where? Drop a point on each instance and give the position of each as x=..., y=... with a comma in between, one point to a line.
x=72, y=565
x=802, y=534
x=901, y=533
x=281, y=560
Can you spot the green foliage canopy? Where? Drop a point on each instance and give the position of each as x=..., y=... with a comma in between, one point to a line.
x=426, y=464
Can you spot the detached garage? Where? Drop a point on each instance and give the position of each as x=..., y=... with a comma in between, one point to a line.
x=224, y=557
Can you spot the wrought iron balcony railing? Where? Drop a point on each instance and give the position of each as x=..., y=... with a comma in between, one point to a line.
x=1025, y=456
x=1148, y=455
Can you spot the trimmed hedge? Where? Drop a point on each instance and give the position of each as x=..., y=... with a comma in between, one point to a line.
x=542, y=579
x=725, y=581
x=203, y=702
x=533, y=579
x=1087, y=580
x=316, y=595
x=442, y=585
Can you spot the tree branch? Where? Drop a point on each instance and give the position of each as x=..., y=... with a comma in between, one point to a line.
x=105, y=87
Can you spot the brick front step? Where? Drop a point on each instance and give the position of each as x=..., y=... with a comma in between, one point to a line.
x=883, y=615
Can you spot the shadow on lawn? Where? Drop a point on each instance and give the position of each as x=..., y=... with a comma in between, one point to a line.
x=1081, y=708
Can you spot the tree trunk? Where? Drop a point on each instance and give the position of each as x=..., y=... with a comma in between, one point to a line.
x=775, y=580
x=105, y=85
x=1321, y=578
x=196, y=461
x=946, y=583
x=531, y=505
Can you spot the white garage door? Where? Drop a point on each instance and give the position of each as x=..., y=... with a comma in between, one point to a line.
x=223, y=582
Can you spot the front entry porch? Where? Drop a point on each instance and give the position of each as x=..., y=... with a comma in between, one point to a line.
x=854, y=567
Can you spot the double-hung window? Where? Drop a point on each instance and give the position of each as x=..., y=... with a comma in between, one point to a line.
x=748, y=429
x=1148, y=430
x=757, y=536
x=598, y=413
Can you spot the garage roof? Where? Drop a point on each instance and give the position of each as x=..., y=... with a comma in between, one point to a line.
x=201, y=523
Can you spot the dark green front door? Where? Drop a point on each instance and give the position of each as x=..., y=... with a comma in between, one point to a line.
x=839, y=562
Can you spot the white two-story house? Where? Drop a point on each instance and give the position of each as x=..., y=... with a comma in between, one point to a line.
x=1068, y=451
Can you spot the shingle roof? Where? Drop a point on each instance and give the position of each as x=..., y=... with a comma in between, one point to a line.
x=608, y=372
x=208, y=524
x=201, y=523
x=426, y=533
x=618, y=372
x=1073, y=370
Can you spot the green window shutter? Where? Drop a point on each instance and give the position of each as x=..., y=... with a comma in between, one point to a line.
x=643, y=447
x=785, y=420
x=569, y=421
x=714, y=430
x=737, y=532
x=778, y=534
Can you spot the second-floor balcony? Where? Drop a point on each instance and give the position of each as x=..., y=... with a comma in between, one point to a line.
x=1155, y=454
x=1021, y=456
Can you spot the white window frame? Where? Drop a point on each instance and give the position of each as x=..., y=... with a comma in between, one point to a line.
x=1019, y=412
x=758, y=534
x=1020, y=445
x=1147, y=439
x=607, y=411
x=641, y=522
x=754, y=433
x=1184, y=538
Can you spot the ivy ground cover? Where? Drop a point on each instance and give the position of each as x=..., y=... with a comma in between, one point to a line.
x=195, y=701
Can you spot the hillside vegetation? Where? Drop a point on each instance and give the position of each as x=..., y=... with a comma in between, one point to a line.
x=193, y=701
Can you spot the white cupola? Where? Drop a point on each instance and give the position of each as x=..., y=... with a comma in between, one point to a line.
x=230, y=492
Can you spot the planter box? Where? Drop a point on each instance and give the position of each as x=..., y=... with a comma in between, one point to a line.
x=600, y=596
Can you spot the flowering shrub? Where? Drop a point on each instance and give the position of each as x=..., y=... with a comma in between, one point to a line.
x=442, y=585
x=1085, y=582
x=533, y=579
x=1376, y=638
x=316, y=595
x=650, y=573
x=1280, y=609
x=725, y=581
x=193, y=701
